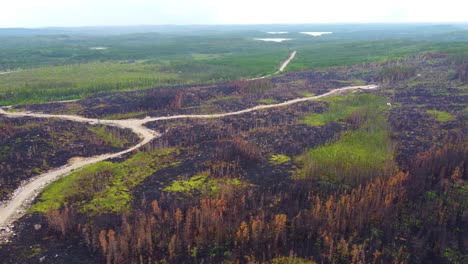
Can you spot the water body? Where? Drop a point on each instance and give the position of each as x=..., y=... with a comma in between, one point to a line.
x=273, y=39
x=316, y=34
x=98, y=48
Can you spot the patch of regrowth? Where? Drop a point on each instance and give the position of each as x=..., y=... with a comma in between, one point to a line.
x=278, y=159
x=345, y=107
x=224, y=98
x=268, y=101
x=441, y=116
x=204, y=184
x=35, y=250
x=307, y=94
x=356, y=150
x=105, y=187
x=365, y=151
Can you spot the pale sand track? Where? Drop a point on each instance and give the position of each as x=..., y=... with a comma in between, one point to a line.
x=281, y=68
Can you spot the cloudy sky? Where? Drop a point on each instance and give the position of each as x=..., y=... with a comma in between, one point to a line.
x=42, y=13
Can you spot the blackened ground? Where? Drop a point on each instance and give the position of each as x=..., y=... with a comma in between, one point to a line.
x=39, y=244
x=29, y=146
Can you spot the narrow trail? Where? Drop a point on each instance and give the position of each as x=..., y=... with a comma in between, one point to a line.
x=23, y=197
x=285, y=63
x=281, y=68
x=8, y=72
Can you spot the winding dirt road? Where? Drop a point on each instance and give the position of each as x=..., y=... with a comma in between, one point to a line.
x=15, y=208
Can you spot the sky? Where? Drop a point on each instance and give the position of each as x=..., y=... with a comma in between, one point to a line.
x=66, y=13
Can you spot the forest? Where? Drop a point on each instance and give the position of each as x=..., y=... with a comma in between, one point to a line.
x=60, y=64
x=357, y=176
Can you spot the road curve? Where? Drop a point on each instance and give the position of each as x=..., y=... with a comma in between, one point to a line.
x=15, y=208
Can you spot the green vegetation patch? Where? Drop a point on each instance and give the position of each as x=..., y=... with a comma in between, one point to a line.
x=355, y=150
x=307, y=94
x=441, y=116
x=343, y=107
x=105, y=186
x=203, y=183
x=125, y=68
x=77, y=81
x=224, y=98
x=325, y=55
x=278, y=159
x=366, y=149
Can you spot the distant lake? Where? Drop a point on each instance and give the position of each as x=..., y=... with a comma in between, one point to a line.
x=316, y=34
x=98, y=48
x=273, y=39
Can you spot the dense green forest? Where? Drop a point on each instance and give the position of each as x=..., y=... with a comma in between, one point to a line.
x=62, y=65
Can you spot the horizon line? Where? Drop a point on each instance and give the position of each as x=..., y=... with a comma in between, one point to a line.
x=253, y=24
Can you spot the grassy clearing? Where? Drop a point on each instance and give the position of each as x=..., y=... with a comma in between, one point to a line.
x=105, y=186
x=278, y=159
x=204, y=184
x=441, y=116
x=343, y=107
x=364, y=151
x=360, y=150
